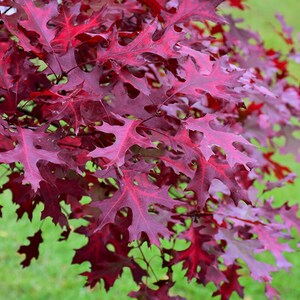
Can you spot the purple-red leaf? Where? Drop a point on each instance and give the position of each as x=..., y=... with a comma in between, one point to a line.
x=245, y=250
x=225, y=140
x=138, y=194
x=27, y=153
x=218, y=83
x=126, y=136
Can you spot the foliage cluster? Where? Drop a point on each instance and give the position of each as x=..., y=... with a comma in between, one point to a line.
x=146, y=119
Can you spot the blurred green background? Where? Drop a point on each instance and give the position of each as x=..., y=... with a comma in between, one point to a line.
x=53, y=277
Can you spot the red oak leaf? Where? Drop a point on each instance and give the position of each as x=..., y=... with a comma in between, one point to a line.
x=206, y=171
x=289, y=216
x=138, y=194
x=52, y=208
x=155, y=5
x=231, y=285
x=245, y=250
x=68, y=27
x=145, y=293
x=22, y=195
x=218, y=83
x=126, y=136
x=111, y=107
x=271, y=244
x=107, y=263
x=131, y=54
x=272, y=293
x=198, y=254
x=14, y=71
x=5, y=63
x=200, y=10
x=6, y=143
x=29, y=155
x=39, y=25
x=215, y=169
x=202, y=60
x=225, y=140
x=32, y=250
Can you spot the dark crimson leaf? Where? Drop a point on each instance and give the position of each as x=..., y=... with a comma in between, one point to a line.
x=22, y=195
x=107, y=251
x=6, y=77
x=198, y=254
x=155, y=6
x=6, y=143
x=145, y=293
x=50, y=196
x=231, y=284
x=32, y=250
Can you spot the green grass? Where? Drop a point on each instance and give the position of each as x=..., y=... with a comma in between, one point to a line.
x=53, y=277
x=261, y=18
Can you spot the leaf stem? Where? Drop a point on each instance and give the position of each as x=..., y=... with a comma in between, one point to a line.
x=146, y=261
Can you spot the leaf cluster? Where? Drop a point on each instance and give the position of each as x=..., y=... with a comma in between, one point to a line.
x=147, y=119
